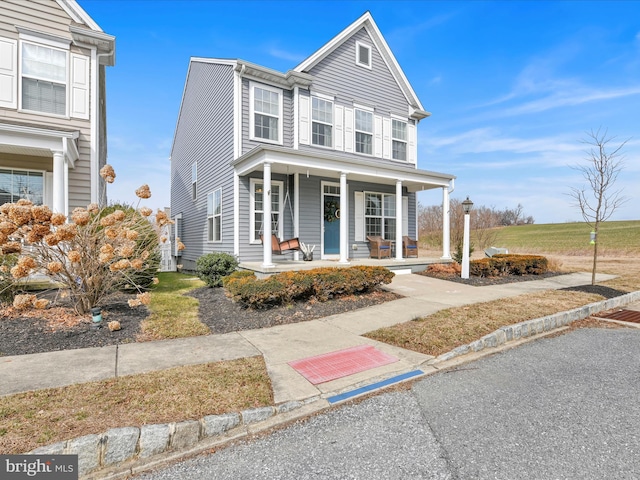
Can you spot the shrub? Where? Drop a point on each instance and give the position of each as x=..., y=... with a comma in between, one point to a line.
x=147, y=240
x=509, y=264
x=212, y=267
x=457, y=255
x=320, y=283
x=444, y=268
x=92, y=254
x=8, y=284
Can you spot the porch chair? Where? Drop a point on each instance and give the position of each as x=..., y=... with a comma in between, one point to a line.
x=281, y=247
x=409, y=247
x=379, y=247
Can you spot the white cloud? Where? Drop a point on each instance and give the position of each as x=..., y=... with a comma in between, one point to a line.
x=286, y=55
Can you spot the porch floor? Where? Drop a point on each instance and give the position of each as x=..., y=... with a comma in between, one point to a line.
x=407, y=265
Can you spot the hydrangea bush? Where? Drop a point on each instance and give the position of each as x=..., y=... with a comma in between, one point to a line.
x=95, y=253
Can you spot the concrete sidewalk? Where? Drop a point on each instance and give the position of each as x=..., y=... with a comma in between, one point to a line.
x=278, y=345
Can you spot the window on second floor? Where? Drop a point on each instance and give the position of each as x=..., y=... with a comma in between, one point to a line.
x=194, y=180
x=321, y=122
x=44, y=79
x=266, y=114
x=214, y=216
x=399, y=140
x=364, y=132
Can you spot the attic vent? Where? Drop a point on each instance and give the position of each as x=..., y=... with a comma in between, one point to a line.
x=363, y=55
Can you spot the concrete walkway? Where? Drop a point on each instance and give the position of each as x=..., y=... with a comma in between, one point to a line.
x=278, y=345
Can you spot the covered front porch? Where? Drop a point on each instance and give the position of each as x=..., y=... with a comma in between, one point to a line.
x=35, y=164
x=369, y=198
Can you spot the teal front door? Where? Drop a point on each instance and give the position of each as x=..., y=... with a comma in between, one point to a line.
x=331, y=225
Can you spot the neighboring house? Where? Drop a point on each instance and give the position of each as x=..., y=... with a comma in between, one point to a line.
x=52, y=103
x=326, y=152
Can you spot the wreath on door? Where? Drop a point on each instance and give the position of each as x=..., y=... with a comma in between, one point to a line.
x=331, y=211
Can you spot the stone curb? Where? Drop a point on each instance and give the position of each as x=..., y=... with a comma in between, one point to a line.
x=116, y=451
x=121, y=452
x=537, y=326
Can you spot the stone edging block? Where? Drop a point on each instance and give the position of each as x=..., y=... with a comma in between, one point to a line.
x=538, y=325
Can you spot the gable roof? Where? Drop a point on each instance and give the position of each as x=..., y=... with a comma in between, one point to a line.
x=366, y=21
x=77, y=14
x=88, y=32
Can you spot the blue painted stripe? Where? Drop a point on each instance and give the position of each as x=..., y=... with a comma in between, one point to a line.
x=374, y=386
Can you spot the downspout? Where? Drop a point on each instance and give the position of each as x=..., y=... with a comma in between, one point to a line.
x=95, y=125
x=446, y=224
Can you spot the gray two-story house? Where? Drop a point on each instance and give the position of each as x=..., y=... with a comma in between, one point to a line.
x=53, y=142
x=326, y=152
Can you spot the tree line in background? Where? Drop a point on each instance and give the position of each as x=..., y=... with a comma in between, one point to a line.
x=484, y=223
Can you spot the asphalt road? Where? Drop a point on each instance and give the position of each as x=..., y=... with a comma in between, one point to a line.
x=558, y=408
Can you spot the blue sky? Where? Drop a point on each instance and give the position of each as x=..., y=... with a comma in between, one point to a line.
x=512, y=86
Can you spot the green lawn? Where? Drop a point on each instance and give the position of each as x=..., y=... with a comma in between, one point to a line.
x=567, y=238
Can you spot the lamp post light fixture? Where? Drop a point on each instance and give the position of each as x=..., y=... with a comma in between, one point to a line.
x=466, y=206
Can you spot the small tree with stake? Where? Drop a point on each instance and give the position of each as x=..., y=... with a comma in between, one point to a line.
x=598, y=200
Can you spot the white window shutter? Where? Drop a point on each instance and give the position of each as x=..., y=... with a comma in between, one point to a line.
x=303, y=102
x=377, y=136
x=412, y=147
x=8, y=73
x=339, y=126
x=348, y=130
x=358, y=217
x=405, y=215
x=79, y=86
x=386, y=138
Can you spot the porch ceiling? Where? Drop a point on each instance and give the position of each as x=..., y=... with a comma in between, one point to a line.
x=20, y=139
x=288, y=161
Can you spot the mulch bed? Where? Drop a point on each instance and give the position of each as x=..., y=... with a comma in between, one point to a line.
x=606, y=292
x=56, y=328
x=37, y=331
x=231, y=317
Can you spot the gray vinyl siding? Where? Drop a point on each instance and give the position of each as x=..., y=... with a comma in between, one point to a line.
x=204, y=133
x=287, y=121
x=339, y=75
x=48, y=17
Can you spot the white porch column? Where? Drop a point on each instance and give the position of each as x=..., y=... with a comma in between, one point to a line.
x=344, y=227
x=59, y=187
x=446, y=248
x=267, y=260
x=399, y=221
x=296, y=211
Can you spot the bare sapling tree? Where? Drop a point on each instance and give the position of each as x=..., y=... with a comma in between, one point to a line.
x=598, y=199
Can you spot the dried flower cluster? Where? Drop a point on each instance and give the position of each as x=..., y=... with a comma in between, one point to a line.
x=93, y=254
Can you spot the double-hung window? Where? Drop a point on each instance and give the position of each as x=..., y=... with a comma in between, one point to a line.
x=260, y=226
x=266, y=114
x=44, y=79
x=380, y=214
x=364, y=132
x=321, y=122
x=399, y=140
x=21, y=184
x=214, y=216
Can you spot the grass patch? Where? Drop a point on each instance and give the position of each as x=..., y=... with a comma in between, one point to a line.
x=447, y=329
x=33, y=419
x=571, y=238
x=174, y=315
